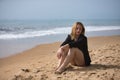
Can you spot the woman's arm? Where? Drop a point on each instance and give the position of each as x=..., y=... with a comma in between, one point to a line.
x=67, y=40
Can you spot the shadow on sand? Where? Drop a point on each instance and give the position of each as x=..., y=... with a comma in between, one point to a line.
x=94, y=67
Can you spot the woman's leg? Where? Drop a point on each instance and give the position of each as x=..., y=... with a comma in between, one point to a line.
x=61, y=60
x=73, y=53
x=78, y=59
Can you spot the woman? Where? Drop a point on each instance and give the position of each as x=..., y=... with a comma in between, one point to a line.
x=74, y=49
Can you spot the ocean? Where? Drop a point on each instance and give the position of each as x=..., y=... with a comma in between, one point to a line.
x=26, y=34
x=17, y=29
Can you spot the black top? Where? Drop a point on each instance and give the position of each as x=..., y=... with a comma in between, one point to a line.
x=81, y=44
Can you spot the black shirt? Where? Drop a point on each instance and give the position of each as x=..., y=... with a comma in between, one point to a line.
x=80, y=43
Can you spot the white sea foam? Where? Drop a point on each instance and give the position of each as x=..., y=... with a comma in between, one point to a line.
x=101, y=28
x=31, y=34
x=54, y=31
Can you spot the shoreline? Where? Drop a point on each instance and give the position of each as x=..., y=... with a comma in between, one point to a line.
x=59, y=42
x=41, y=61
x=29, y=43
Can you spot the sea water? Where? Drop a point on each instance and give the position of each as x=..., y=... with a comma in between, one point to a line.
x=19, y=35
x=18, y=29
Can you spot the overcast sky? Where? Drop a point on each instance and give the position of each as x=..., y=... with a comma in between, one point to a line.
x=59, y=9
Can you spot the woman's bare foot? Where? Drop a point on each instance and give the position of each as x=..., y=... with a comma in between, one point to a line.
x=59, y=70
x=56, y=68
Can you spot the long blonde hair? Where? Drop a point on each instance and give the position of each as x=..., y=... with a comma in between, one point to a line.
x=73, y=35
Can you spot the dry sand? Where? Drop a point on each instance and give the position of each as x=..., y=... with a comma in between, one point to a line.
x=40, y=62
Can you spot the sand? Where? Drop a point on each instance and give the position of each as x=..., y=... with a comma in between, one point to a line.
x=39, y=63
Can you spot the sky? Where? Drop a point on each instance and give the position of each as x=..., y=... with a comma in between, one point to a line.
x=59, y=9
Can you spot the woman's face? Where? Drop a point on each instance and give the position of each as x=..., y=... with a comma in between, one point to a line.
x=78, y=30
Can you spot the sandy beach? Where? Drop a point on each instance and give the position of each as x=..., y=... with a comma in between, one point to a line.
x=39, y=63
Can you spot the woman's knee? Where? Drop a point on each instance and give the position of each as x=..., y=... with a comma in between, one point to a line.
x=59, y=50
x=63, y=53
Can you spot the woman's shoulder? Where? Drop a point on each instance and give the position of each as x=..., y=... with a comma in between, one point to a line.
x=69, y=35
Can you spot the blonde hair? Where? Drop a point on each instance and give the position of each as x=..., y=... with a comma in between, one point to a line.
x=73, y=35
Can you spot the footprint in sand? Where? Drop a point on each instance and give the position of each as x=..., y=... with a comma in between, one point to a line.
x=92, y=73
x=17, y=77
x=26, y=70
x=43, y=77
x=20, y=77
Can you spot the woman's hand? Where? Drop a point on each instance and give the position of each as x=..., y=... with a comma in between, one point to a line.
x=59, y=53
x=61, y=50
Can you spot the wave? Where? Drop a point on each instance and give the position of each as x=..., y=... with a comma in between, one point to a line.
x=101, y=28
x=54, y=31
x=31, y=34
